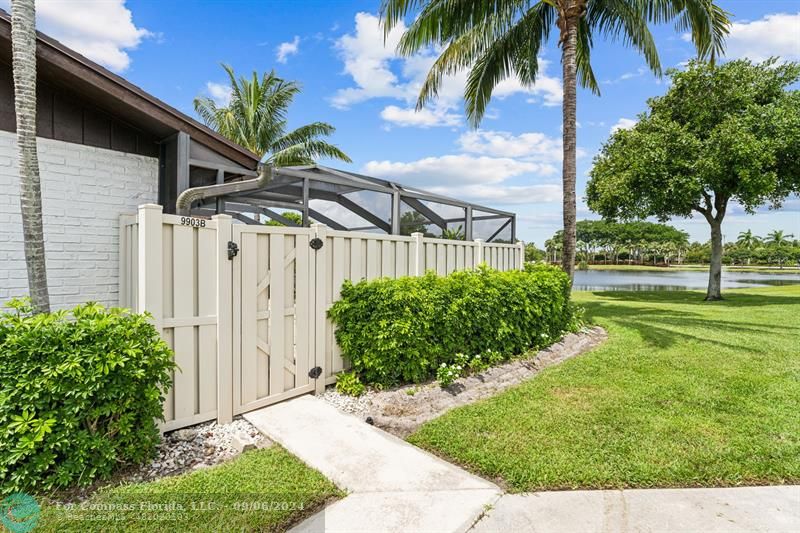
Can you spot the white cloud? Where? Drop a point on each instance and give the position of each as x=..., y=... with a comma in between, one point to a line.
x=454, y=170
x=219, y=92
x=507, y=195
x=775, y=34
x=491, y=167
x=623, y=124
x=379, y=72
x=424, y=118
x=102, y=31
x=533, y=145
x=284, y=50
x=641, y=71
x=366, y=59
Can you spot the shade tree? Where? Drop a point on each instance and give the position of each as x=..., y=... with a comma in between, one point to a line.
x=721, y=134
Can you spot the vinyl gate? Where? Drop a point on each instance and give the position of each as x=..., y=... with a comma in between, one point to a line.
x=244, y=307
x=273, y=305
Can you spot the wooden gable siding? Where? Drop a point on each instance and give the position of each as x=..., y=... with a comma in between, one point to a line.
x=64, y=116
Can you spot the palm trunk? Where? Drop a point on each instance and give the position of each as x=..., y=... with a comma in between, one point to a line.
x=569, y=71
x=23, y=42
x=715, y=269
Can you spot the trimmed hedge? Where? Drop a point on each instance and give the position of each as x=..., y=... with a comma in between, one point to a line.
x=400, y=330
x=79, y=394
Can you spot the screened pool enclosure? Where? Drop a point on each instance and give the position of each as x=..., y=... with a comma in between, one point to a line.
x=348, y=201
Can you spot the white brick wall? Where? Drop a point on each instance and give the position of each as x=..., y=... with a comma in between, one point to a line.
x=84, y=190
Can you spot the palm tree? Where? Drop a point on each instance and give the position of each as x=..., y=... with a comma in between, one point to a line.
x=778, y=237
x=502, y=39
x=553, y=246
x=255, y=118
x=23, y=44
x=747, y=239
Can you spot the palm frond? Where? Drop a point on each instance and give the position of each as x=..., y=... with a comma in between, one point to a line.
x=306, y=153
x=441, y=21
x=515, y=52
x=207, y=110
x=707, y=23
x=625, y=20
x=583, y=58
x=303, y=134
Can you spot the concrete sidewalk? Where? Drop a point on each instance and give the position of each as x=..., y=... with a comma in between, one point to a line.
x=745, y=509
x=393, y=485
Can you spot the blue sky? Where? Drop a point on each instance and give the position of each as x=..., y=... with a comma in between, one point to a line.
x=335, y=50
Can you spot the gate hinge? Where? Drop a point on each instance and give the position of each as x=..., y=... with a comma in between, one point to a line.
x=316, y=243
x=315, y=372
x=233, y=250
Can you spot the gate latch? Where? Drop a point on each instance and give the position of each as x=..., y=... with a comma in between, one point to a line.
x=315, y=372
x=233, y=250
x=316, y=243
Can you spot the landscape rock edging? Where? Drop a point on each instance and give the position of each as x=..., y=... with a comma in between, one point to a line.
x=402, y=410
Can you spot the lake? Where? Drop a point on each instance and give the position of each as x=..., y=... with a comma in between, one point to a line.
x=674, y=280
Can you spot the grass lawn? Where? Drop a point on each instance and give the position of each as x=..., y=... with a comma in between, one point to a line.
x=684, y=393
x=262, y=490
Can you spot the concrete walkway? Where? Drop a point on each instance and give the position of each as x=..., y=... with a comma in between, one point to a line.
x=729, y=510
x=393, y=485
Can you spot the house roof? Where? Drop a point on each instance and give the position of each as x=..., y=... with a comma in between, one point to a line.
x=62, y=66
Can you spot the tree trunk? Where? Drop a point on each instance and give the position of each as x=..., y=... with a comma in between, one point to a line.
x=569, y=36
x=23, y=42
x=714, y=291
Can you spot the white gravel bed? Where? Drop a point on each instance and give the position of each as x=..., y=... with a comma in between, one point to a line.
x=348, y=404
x=201, y=446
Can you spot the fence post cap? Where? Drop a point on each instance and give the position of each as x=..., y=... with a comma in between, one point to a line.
x=479, y=240
x=221, y=216
x=417, y=233
x=151, y=206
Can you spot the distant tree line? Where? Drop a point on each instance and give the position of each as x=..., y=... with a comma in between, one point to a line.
x=601, y=241
x=776, y=248
x=605, y=242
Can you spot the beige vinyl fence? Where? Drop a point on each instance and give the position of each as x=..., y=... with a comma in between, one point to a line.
x=244, y=307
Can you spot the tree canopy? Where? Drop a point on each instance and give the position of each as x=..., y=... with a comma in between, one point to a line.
x=636, y=238
x=256, y=118
x=721, y=134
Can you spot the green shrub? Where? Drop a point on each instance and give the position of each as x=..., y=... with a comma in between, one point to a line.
x=446, y=374
x=79, y=394
x=348, y=383
x=402, y=330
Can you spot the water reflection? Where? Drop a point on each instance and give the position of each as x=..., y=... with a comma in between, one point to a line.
x=673, y=280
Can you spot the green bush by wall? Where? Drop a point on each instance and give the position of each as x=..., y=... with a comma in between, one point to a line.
x=79, y=393
x=400, y=330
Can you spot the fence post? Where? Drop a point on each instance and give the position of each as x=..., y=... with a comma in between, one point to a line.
x=224, y=320
x=151, y=274
x=419, y=254
x=123, y=266
x=478, y=252
x=320, y=318
x=521, y=245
